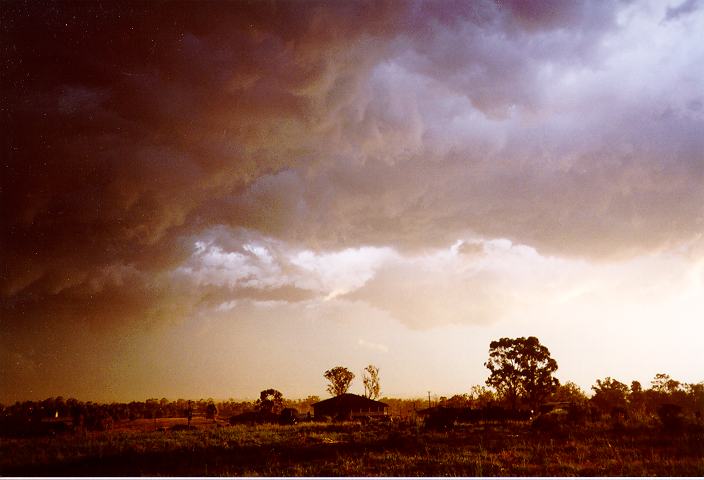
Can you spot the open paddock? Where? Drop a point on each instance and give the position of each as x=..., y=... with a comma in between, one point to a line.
x=354, y=449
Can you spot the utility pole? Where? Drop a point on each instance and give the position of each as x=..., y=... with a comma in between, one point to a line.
x=428, y=398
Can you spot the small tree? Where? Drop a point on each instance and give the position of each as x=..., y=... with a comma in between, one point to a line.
x=521, y=368
x=371, y=382
x=667, y=390
x=340, y=379
x=480, y=396
x=569, y=392
x=664, y=384
x=211, y=410
x=610, y=395
x=270, y=401
x=637, y=400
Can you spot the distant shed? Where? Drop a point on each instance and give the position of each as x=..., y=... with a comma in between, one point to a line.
x=349, y=405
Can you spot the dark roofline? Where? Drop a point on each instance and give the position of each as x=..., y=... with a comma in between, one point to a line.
x=350, y=397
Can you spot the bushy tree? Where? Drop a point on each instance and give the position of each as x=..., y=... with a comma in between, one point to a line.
x=340, y=379
x=521, y=369
x=370, y=379
x=270, y=401
x=610, y=394
x=569, y=392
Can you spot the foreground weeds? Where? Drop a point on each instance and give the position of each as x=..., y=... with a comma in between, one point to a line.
x=349, y=449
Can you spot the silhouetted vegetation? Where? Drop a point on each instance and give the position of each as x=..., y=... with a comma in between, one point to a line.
x=372, y=388
x=340, y=379
x=270, y=401
x=527, y=424
x=211, y=410
x=521, y=371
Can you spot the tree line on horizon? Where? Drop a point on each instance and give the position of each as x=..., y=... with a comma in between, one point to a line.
x=521, y=379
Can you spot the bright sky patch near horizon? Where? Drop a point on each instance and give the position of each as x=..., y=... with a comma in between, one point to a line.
x=208, y=200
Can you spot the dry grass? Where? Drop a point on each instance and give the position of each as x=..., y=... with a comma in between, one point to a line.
x=312, y=449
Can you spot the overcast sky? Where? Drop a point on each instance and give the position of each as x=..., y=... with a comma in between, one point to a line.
x=212, y=199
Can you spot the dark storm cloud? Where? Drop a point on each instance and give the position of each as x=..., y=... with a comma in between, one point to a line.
x=131, y=130
x=120, y=121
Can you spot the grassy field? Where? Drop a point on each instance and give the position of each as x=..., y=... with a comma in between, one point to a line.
x=316, y=449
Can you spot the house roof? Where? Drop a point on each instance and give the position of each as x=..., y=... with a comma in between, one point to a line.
x=349, y=400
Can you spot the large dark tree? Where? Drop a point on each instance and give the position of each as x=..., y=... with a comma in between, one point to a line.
x=521, y=369
x=340, y=379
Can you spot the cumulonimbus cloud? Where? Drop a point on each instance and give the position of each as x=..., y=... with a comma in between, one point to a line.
x=403, y=126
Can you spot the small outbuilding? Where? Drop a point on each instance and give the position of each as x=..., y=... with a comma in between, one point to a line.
x=348, y=406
